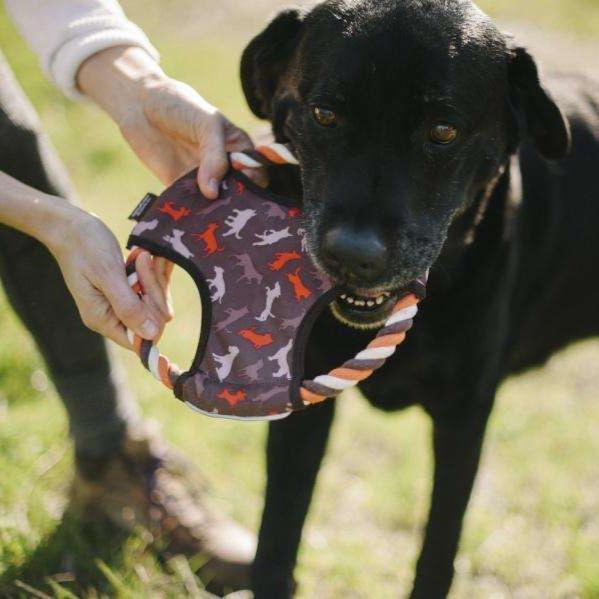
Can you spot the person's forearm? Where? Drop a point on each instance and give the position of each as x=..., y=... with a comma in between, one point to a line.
x=64, y=34
x=33, y=212
x=116, y=79
x=90, y=259
x=170, y=127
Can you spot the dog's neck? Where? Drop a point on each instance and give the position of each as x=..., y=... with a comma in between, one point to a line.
x=478, y=238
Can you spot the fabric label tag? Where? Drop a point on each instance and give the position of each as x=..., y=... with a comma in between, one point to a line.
x=141, y=208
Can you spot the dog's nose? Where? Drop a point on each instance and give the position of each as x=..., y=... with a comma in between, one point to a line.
x=360, y=256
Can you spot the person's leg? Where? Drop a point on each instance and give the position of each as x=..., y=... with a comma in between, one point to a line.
x=124, y=472
x=98, y=405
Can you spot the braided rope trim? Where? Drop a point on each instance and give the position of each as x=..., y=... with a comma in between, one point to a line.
x=273, y=153
x=366, y=362
x=162, y=369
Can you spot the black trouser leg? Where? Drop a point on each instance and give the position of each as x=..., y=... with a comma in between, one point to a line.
x=97, y=403
x=457, y=450
x=296, y=447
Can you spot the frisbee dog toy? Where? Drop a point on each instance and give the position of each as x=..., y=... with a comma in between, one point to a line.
x=260, y=292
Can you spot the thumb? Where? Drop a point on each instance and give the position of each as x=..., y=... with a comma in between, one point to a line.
x=130, y=310
x=213, y=159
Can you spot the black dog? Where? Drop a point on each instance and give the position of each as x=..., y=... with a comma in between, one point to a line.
x=426, y=141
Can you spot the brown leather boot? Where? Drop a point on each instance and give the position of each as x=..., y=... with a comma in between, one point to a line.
x=148, y=484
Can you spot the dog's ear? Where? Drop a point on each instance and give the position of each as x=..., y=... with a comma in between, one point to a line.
x=265, y=59
x=534, y=109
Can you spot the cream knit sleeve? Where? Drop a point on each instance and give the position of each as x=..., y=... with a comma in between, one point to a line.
x=64, y=33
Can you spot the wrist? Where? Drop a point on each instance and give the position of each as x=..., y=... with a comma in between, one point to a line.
x=53, y=224
x=118, y=78
x=33, y=212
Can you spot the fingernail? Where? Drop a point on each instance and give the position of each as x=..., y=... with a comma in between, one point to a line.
x=213, y=185
x=149, y=329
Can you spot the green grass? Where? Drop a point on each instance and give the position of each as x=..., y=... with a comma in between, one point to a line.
x=533, y=528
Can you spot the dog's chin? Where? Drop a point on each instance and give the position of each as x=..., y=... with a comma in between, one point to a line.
x=364, y=311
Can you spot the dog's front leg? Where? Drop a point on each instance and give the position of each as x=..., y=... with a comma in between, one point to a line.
x=295, y=450
x=457, y=450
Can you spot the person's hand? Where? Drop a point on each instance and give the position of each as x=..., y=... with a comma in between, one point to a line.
x=91, y=262
x=176, y=129
x=93, y=267
x=167, y=123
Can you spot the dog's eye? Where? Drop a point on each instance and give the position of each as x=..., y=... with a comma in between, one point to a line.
x=324, y=116
x=443, y=133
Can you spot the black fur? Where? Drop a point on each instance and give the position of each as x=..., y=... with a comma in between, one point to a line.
x=511, y=236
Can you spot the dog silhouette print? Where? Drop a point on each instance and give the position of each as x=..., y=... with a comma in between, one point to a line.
x=299, y=288
x=271, y=296
x=281, y=358
x=233, y=316
x=225, y=362
x=176, y=242
x=175, y=213
x=208, y=236
x=249, y=255
x=282, y=259
x=272, y=236
x=141, y=227
x=237, y=221
x=218, y=284
x=250, y=274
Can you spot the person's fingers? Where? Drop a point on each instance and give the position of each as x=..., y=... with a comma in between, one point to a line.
x=117, y=333
x=153, y=296
x=151, y=284
x=213, y=158
x=169, y=267
x=238, y=141
x=127, y=306
x=97, y=313
x=157, y=314
x=258, y=175
x=164, y=269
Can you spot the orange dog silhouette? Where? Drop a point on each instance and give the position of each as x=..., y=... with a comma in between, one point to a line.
x=239, y=187
x=208, y=236
x=175, y=213
x=232, y=398
x=300, y=290
x=258, y=340
x=281, y=259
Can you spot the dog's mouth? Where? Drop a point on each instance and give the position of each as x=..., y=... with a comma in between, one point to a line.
x=364, y=309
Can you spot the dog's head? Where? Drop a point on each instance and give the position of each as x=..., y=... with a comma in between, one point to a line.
x=402, y=113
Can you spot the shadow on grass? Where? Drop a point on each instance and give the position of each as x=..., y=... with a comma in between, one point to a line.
x=77, y=557
x=93, y=559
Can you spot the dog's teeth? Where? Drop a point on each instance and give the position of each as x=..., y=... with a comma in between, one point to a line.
x=369, y=302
